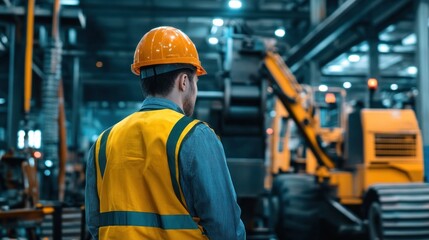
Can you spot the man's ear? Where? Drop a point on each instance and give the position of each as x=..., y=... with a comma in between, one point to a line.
x=183, y=81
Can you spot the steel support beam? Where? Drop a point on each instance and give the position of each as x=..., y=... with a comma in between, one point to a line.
x=15, y=110
x=331, y=29
x=139, y=11
x=373, y=63
x=77, y=95
x=69, y=16
x=422, y=15
x=314, y=73
x=318, y=11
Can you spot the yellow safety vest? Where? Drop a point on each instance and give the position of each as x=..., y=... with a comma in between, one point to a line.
x=138, y=178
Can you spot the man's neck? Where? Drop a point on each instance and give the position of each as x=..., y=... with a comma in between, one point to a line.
x=172, y=97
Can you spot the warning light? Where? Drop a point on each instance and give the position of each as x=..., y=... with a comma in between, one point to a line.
x=372, y=83
x=37, y=154
x=330, y=98
x=270, y=131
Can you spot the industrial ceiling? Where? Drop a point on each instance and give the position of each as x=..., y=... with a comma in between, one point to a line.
x=99, y=38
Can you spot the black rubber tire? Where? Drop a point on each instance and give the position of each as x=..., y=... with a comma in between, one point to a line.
x=374, y=222
x=298, y=207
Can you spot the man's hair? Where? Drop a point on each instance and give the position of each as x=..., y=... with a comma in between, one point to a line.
x=162, y=84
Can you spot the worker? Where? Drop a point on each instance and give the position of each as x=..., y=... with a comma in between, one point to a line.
x=158, y=173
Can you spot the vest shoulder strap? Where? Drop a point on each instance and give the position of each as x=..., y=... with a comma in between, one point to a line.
x=174, y=141
x=102, y=151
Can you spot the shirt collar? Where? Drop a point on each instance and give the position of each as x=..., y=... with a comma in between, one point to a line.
x=156, y=103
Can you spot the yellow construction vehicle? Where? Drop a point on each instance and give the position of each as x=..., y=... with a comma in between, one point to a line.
x=373, y=189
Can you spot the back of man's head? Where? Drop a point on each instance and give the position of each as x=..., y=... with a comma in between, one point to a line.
x=162, y=84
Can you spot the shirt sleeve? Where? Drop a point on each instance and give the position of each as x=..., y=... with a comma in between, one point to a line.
x=207, y=185
x=92, y=207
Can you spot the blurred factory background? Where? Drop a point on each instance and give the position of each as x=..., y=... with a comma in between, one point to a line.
x=65, y=77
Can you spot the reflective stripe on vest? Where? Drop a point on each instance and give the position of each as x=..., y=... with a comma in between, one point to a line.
x=142, y=219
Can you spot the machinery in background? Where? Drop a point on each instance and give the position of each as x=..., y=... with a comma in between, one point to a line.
x=360, y=179
x=23, y=213
x=377, y=183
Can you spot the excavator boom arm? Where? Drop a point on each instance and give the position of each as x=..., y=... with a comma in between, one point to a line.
x=288, y=91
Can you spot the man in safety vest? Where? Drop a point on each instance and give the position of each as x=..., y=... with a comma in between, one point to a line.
x=159, y=174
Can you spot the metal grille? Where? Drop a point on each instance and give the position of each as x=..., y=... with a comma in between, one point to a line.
x=395, y=145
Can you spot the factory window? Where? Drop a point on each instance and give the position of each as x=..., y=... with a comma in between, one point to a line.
x=34, y=139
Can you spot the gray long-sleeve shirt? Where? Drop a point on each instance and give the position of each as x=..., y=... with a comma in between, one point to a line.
x=204, y=178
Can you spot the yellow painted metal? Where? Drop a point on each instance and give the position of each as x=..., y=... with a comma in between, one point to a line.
x=48, y=210
x=310, y=163
x=351, y=201
x=280, y=154
x=391, y=135
x=294, y=105
x=322, y=174
x=28, y=56
x=392, y=149
x=344, y=182
x=385, y=173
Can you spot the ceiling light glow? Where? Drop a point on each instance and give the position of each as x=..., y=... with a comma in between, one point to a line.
x=345, y=63
x=69, y=2
x=213, y=40
x=335, y=68
x=218, y=22
x=235, y=4
x=280, y=32
x=353, y=58
x=394, y=86
x=347, y=85
x=412, y=70
x=410, y=39
x=323, y=88
x=383, y=48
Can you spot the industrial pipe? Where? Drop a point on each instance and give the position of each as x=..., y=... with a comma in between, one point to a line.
x=28, y=56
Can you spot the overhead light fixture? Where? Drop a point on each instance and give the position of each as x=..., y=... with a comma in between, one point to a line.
x=347, y=85
x=234, y=4
x=394, y=86
x=390, y=28
x=412, y=70
x=335, y=68
x=218, y=22
x=364, y=47
x=213, y=40
x=49, y=163
x=353, y=58
x=345, y=63
x=4, y=39
x=383, y=48
x=410, y=39
x=323, y=88
x=69, y=2
x=280, y=32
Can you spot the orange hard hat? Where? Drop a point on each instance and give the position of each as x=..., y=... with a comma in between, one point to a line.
x=166, y=45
